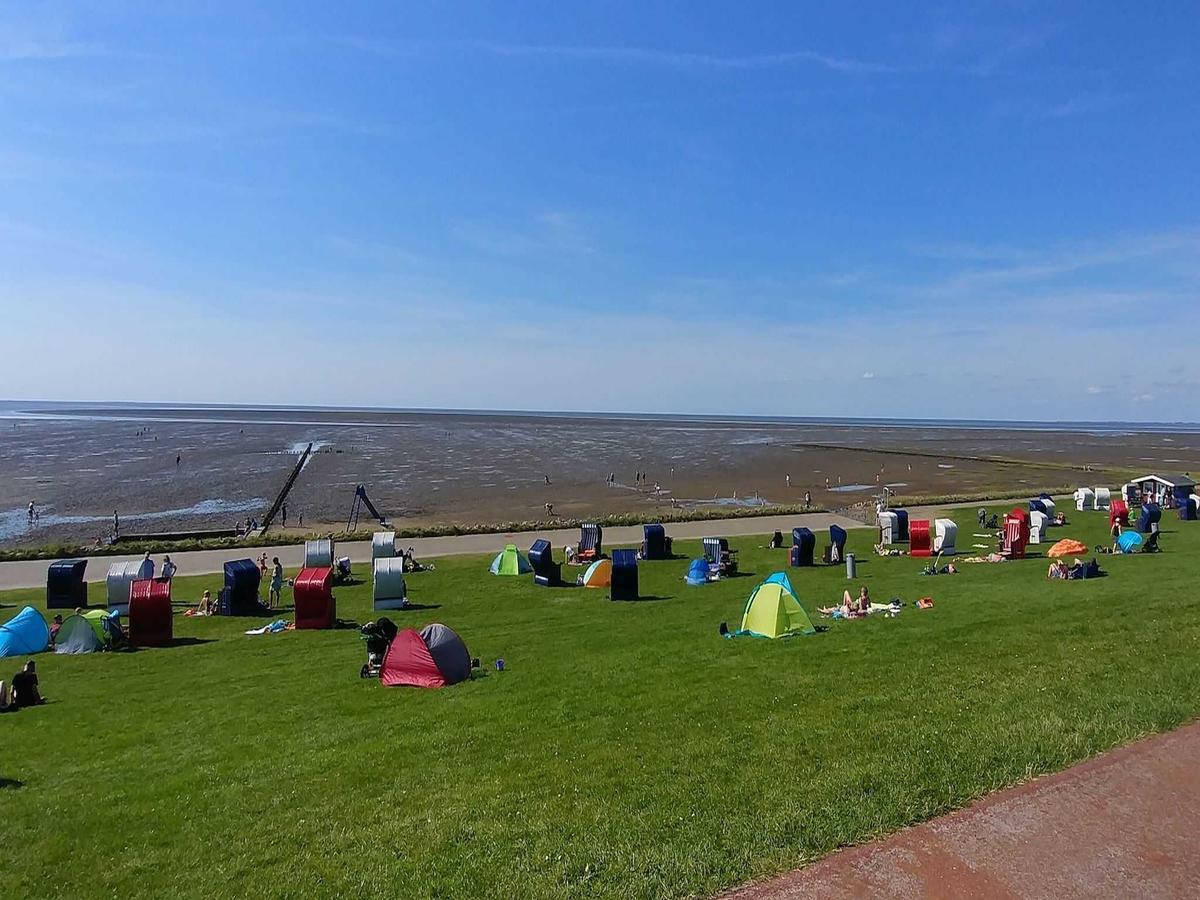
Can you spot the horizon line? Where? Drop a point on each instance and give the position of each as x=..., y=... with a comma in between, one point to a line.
x=774, y=418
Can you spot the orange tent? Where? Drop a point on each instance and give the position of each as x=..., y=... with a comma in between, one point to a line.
x=1067, y=547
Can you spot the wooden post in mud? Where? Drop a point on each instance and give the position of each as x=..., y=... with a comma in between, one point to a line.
x=287, y=486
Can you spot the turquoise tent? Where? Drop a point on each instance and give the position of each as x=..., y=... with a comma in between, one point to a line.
x=25, y=633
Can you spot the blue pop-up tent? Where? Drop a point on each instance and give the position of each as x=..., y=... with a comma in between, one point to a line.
x=25, y=633
x=698, y=572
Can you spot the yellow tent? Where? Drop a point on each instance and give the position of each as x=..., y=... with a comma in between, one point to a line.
x=774, y=611
x=598, y=574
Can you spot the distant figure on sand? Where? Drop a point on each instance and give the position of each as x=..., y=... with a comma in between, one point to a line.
x=178, y=459
x=116, y=524
x=550, y=509
x=547, y=477
x=807, y=499
x=283, y=512
x=31, y=512
x=788, y=480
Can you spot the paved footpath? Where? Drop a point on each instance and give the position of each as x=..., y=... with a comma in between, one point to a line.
x=1123, y=824
x=32, y=573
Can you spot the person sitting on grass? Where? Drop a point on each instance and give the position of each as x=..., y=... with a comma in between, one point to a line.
x=1058, y=569
x=25, y=687
x=208, y=606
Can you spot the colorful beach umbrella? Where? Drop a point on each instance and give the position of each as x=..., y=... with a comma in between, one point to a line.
x=1067, y=547
x=1129, y=541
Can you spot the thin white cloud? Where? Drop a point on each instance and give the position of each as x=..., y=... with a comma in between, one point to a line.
x=688, y=59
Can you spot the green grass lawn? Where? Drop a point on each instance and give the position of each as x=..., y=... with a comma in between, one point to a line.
x=627, y=750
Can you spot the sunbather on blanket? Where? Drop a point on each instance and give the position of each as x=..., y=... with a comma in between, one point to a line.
x=850, y=606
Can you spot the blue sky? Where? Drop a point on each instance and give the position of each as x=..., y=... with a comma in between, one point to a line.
x=962, y=209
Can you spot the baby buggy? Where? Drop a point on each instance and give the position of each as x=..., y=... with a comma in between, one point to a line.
x=378, y=636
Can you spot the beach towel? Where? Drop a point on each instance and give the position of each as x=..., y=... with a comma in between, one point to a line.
x=272, y=627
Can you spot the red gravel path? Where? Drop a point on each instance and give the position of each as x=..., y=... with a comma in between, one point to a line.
x=1124, y=824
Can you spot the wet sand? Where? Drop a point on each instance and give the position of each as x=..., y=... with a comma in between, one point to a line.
x=79, y=465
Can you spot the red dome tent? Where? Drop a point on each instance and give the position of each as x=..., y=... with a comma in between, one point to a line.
x=431, y=658
x=150, y=612
x=918, y=537
x=313, y=594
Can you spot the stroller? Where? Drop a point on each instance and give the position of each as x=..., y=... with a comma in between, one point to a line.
x=378, y=636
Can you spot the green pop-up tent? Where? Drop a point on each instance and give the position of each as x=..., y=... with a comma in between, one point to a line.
x=88, y=632
x=774, y=611
x=509, y=561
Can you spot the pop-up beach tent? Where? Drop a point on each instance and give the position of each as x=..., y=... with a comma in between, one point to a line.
x=89, y=632
x=1129, y=541
x=774, y=611
x=25, y=633
x=598, y=574
x=510, y=561
x=697, y=572
x=431, y=658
